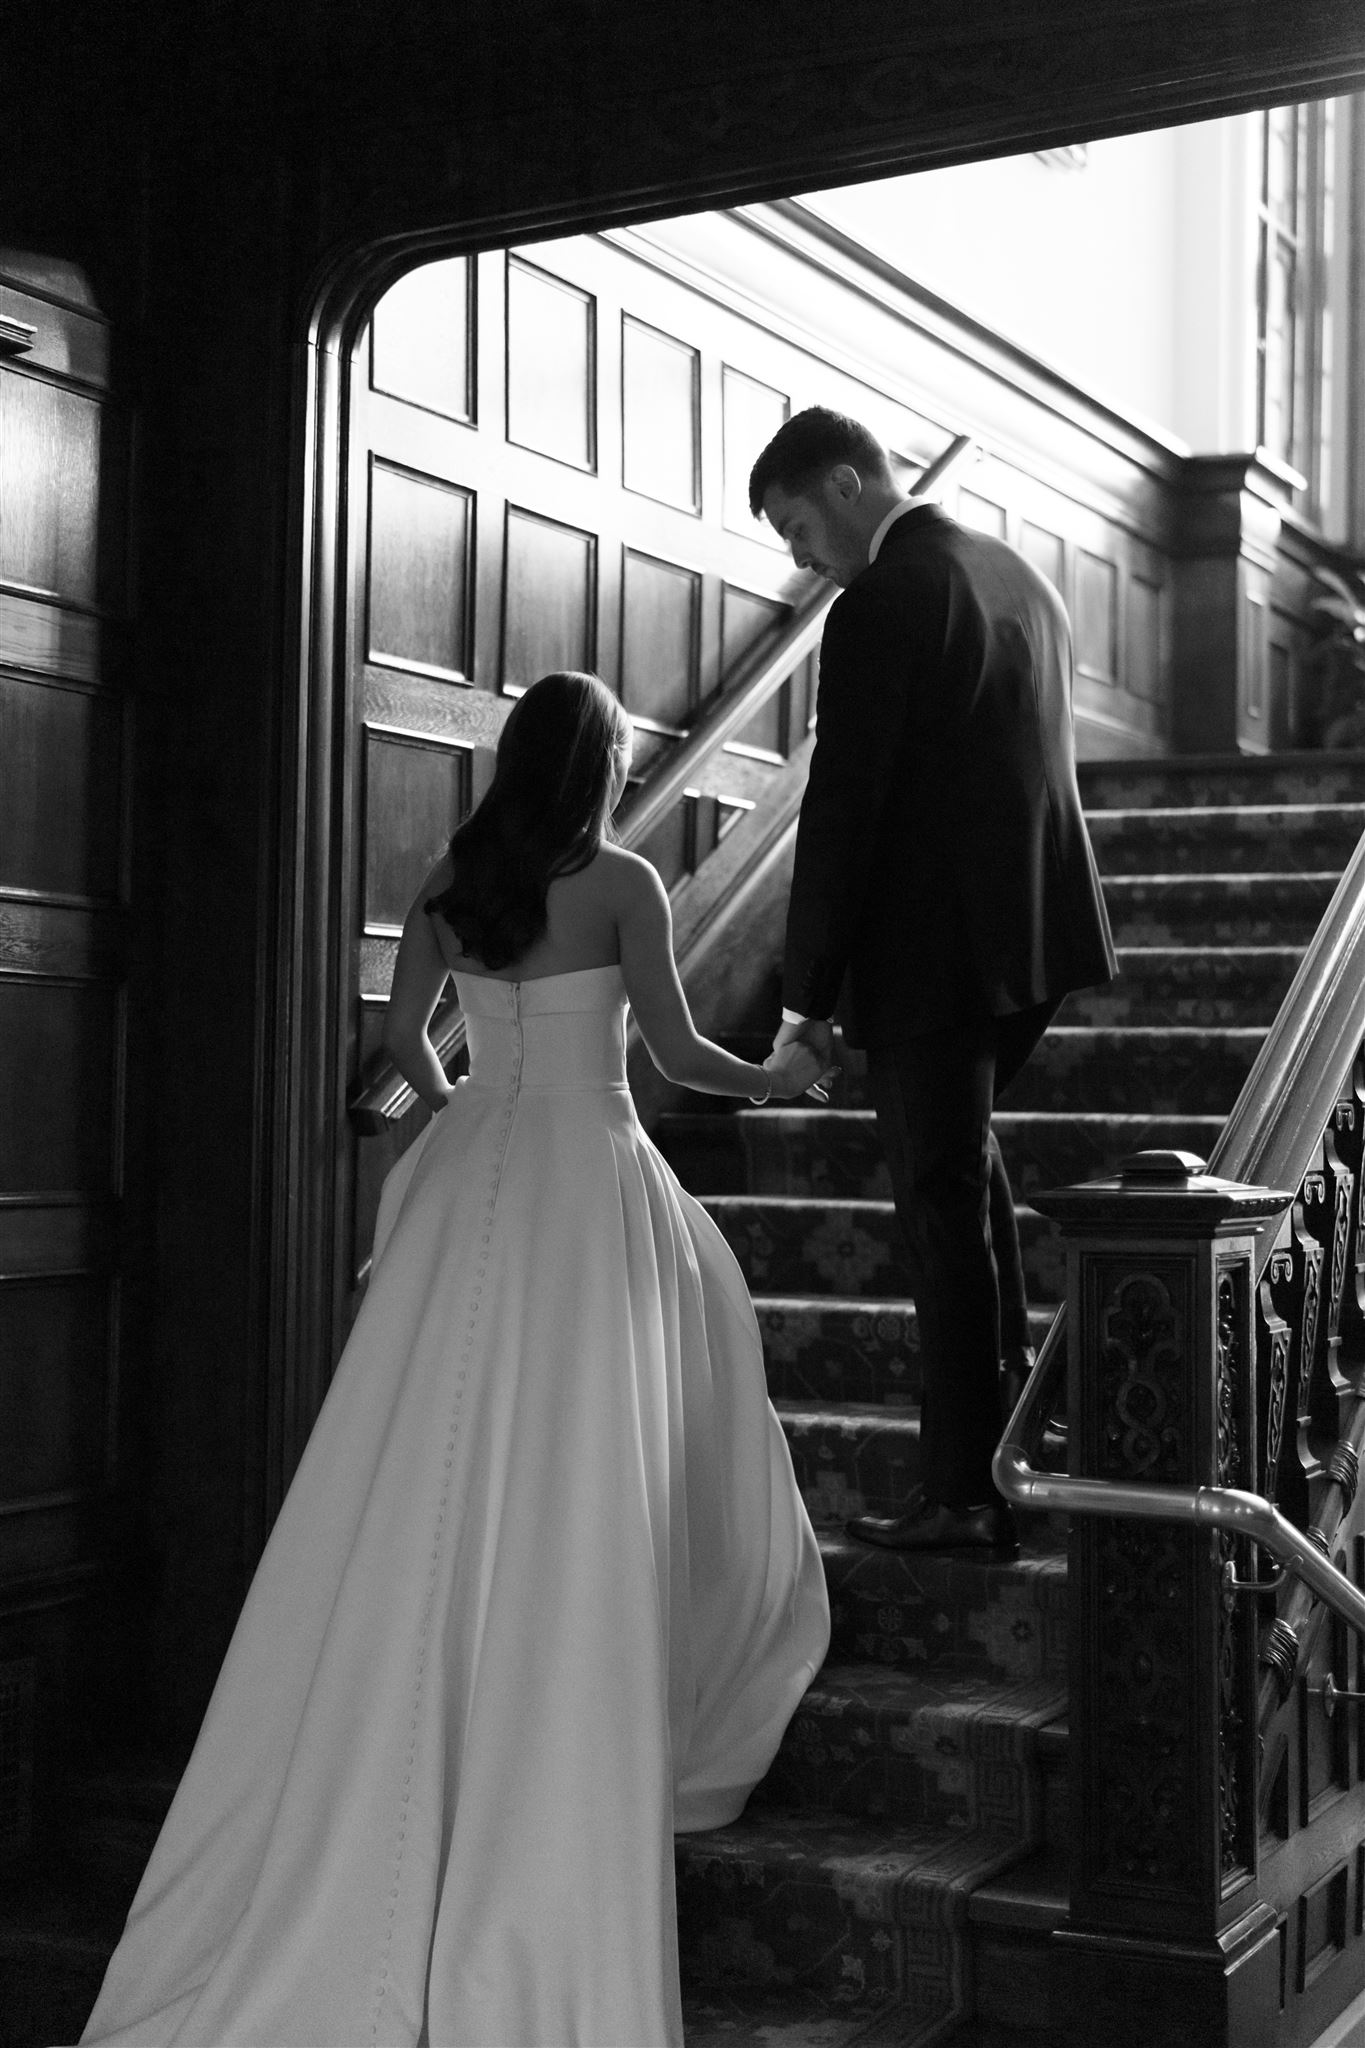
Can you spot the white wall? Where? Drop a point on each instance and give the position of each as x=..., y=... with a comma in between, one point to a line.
x=1133, y=276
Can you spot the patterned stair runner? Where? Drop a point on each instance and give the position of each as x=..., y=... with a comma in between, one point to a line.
x=895, y=1878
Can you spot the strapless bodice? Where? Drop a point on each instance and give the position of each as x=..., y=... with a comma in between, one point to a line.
x=559, y=1031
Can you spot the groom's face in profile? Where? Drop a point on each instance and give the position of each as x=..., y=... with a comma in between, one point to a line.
x=823, y=524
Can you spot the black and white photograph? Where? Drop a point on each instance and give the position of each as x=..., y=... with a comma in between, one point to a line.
x=682, y=1024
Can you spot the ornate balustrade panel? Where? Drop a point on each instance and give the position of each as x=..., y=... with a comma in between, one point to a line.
x=1332, y=1392
x=1300, y=1304
x=1163, y=1296
x=1349, y=1121
x=1274, y=1343
x=1310, y=1361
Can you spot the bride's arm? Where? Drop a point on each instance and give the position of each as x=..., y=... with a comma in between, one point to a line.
x=419, y=976
x=644, y=923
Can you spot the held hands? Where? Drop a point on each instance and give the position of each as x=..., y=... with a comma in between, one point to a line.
x=802, y=1060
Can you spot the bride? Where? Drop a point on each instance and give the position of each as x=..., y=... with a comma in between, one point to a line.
x=543, y=1589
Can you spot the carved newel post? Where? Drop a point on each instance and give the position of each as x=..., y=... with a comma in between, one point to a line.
x=1167, y=1939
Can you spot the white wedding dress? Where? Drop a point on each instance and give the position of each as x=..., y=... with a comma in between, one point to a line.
x=543, y=1590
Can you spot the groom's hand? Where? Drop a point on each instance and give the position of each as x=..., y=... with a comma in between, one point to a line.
x=818, y=1034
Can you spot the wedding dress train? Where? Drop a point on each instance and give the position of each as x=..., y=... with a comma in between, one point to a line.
x=542, y=1591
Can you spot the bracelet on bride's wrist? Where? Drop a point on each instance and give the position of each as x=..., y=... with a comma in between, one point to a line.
x=759, y=1100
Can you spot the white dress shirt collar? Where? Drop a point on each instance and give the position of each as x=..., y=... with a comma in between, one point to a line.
x=897, y=511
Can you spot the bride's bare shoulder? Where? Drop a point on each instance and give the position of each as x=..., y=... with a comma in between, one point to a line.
x=626, y=876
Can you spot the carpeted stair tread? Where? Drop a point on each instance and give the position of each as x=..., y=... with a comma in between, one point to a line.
x=776, y=2016
x=852, y=1458
x=1222, y=779
x=1173, y=1070
x=951, y=1749
x=814, y=1900
x=966, y=1611
x=1209, y=986
x=1226, y=838
x=825, y=1348
x=788, y=1153
x=798, y=1243
x=1217, y=909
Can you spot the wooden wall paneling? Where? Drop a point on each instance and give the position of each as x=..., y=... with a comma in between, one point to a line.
x=50, y=537
x=429, y=705
x=1254, y=722
x=1146, y=637
x=661, y=415
x=426, y=649
x=46, y=638
x=671, y=846
x=1322, y=1930
x=71, y=1231
x=57, y=1336
x=18, y=1735
x=422, y=336
x=1044, y=550
x=415, y=788
x=58, y=1086
x=854, y=333
x=983, y=514
x=57, y=1233
x=747, y=618
x=620, y=520
x=420, y=541
x=60, y=940
x=72, y=350
x=551, y=364
x=490, y=354
x=660, y=640
x=61, y=824
x=549, y=598
x=1095, y=623
x=710, y=482
x=751, y=413
x=1291, y=722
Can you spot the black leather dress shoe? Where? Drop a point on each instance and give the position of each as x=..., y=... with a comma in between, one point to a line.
x=933, y=1526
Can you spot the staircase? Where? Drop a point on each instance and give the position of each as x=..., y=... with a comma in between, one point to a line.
x=896, y=1878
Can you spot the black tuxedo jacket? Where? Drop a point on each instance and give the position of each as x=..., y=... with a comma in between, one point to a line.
x=942, y=859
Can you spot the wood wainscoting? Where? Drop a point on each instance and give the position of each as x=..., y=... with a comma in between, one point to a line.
x=67, y=1259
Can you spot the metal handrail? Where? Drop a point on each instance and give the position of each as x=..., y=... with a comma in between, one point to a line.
x=1281, y=1112
x=1202, y=1507
x=754, y=679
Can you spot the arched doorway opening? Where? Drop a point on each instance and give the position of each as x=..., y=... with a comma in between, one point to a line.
x=493, y=469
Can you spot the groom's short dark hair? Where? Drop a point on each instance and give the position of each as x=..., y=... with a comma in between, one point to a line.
x=810, y=443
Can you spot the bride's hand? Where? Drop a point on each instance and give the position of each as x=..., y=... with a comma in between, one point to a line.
x=794, y=1069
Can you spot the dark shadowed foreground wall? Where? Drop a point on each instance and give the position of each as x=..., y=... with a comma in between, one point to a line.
x=237, y=181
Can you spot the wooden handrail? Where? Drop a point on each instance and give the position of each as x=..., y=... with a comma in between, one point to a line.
x=386, y=1096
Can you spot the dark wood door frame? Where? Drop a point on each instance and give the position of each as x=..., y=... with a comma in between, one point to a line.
x=776, y=130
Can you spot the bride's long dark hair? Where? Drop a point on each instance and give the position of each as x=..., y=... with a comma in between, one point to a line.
x=544, y=814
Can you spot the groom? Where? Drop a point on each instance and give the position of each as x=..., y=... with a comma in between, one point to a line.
x=943, y=864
